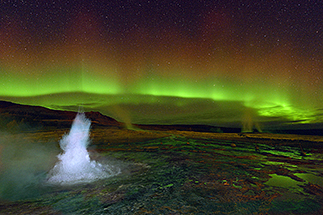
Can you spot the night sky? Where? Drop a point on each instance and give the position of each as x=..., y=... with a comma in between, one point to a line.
x=265, y=56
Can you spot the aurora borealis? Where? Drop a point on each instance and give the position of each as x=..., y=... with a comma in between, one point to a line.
x=265, y=55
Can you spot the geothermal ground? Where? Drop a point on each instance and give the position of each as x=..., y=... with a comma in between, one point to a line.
x=164, y=169
x=173, y=172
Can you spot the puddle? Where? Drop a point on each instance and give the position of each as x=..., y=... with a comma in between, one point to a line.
x=282, y=181
x=310, y=178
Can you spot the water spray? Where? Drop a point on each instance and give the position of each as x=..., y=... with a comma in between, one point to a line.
x=75, y=165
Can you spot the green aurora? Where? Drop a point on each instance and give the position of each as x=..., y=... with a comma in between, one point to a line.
x=264, y=99
x=138, y=53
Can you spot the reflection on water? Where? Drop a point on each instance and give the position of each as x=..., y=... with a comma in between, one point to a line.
x=310, y=178
x=285, y=181
x=282, y=181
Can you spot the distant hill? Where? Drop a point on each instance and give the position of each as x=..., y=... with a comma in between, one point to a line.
x=26, y=117
x=16, y=116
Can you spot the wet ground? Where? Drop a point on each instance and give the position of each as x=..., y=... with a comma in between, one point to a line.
x=185, y=173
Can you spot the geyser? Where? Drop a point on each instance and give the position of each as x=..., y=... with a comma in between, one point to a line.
x=74, y=165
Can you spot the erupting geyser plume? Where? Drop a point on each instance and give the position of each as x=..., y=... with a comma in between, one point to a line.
x=74, y=163
x=248, y=122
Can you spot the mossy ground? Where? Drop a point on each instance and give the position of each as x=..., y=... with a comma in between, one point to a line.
x=174, y=172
